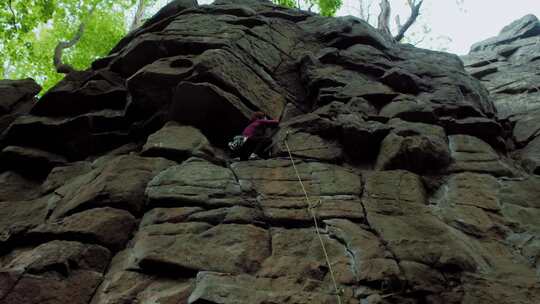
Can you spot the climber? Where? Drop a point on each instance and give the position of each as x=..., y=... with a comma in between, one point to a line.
x=254, y=138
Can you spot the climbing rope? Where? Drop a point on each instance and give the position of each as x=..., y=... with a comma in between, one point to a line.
x=311, y=208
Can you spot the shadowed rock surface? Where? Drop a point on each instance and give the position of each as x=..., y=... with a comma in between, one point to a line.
x=116, y=186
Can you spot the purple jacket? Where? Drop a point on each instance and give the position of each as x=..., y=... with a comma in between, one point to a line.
x=254, y=127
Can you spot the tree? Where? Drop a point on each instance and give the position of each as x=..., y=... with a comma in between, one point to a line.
x=330, y=7
x=324, y=7
x=70, y=33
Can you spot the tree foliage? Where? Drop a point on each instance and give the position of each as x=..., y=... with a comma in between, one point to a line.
x=324, y=7
x=30, y=31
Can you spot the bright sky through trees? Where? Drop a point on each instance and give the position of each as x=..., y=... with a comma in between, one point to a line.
x=464, y=24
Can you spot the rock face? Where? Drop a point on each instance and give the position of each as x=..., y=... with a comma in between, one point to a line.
x=115, y=187
x=17, y=99
x=508, y=65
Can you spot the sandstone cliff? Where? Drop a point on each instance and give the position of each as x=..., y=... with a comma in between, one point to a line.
x=116, y=186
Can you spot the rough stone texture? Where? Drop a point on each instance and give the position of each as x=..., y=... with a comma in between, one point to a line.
x=416, y=147
x=17, y=99
x=177, y=143
x=37, y=162
x=508, y=66
x=118, y=183
x=470, y=153
x=420, y=181
x=17, y=187
x=105, y=226
x=54, y=272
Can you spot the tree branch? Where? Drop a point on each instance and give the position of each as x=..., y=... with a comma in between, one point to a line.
x=137, y=19
x=368, y=9
x=61, y=67
x=415, y=12
x=361, y=10
x=14, y=20
x=384, y=17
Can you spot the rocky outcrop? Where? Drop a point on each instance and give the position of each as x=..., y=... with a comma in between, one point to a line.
x=18, y=97
x=508, y=66
x=117, y=187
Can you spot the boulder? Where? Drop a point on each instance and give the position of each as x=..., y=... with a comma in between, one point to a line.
x=186, y=248
x=79, y=266
x=416, y=147
x=178, y=143
x=118, y=183
x=402, y=81
x=37, y=162
x=121, y=284
x=530, y=156
x=107, y=227
x=17, y=95
x=16, y=187
x=17, y=217
x=527, y=128
x=306, y=145
x=93, y=91
x=213, y=287
x=518, y=201
x=195, y=182
x=74, y=138
x=409, y=109
x=60, y=174
x=415, y=153
x=472, y=154
x=527, y=26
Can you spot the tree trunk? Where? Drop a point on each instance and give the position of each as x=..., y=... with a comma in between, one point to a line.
x=415, y=12
x=137, y=20
x=384, y=17
x=14, y=17
x=64, y=68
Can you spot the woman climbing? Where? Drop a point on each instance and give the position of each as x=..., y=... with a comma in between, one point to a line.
x=256, y=138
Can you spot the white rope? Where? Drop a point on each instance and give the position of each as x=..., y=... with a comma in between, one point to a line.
x=314, y=216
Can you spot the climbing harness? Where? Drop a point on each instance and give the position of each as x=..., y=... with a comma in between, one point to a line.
x=311, y=210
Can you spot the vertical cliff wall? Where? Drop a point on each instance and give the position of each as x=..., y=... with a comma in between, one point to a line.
x=508, y=65
x=116, y=186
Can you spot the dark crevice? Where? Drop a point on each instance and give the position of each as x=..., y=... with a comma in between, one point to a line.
x=167, y=270
x=222, y=85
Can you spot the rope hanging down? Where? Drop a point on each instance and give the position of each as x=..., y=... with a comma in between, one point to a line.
x=311, y=208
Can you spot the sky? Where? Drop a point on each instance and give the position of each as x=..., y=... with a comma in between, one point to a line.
x=465, y=24
x=453, y=28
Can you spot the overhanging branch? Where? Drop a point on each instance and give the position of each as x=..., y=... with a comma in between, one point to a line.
x=415, y=12
x=61, y=67
x=14, y=19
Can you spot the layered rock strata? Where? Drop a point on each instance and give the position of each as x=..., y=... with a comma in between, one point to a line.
x=508, y=66
x=117, y=187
